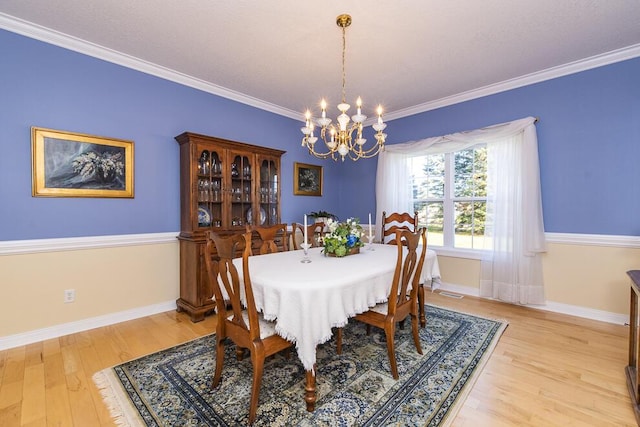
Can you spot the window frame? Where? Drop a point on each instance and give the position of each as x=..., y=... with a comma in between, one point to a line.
x=448, y=208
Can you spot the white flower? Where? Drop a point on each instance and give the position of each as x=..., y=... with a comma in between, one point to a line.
x=332, y=225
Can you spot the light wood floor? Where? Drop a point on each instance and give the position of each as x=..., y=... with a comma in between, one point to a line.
x=547, y=370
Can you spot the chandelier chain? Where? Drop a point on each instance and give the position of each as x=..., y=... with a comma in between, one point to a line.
x=344, y=72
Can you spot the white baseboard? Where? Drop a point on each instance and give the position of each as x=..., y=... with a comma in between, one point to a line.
x=587, y=313
x=122, y=316
x=83, y=325
x=555, y=307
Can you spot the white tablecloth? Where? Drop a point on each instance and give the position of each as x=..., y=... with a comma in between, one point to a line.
x=307, y=300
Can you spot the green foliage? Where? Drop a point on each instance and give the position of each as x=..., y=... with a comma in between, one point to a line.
x=470, y=180
x=323, y=214
x=343, y=236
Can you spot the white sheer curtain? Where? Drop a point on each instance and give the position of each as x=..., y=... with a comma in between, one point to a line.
x=512, y=269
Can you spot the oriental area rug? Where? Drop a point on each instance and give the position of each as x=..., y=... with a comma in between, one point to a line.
x=172, y=387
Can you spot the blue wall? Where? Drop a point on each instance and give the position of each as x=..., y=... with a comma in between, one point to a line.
x=46, y=86
x=588, y=140
x=588, y=134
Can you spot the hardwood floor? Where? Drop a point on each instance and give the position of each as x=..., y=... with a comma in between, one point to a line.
x=547, y=370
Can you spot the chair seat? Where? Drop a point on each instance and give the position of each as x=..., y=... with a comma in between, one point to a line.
x=382, y=308
x=267, y=328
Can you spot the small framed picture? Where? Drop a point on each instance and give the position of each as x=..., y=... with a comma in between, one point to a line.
x=66, y=164
x=307, y=180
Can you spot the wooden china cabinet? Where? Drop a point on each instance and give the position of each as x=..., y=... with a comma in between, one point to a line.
x=224, y=185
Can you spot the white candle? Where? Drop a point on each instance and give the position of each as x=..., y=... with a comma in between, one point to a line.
x=305, y=230
x=370, y=229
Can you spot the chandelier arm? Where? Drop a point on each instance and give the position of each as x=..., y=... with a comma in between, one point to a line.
x=368, y=154
x=331, y=153
x=322, y=155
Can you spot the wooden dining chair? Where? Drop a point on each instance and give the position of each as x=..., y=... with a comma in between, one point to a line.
x=272, y=238
x=402, y=301
x=315, y=233
x=403, y=221
x=397, y=221
x=245, y=327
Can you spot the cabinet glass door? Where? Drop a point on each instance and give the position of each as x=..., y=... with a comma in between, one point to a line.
x=241, y=192
x=209, y=172
x=269, y=191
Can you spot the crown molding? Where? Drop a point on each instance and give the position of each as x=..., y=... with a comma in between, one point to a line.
x=28, y=29
x=66, y=41
x=607, y=58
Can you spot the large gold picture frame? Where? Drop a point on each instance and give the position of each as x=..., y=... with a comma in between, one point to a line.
x=67, y=164
x=307, y=180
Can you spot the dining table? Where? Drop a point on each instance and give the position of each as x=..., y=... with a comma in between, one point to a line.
x=306, y=300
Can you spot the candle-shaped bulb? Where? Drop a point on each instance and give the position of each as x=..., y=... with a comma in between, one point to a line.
x=307, y=116
x=359, y=105
x=333, y=134
x=311, y=126
x=379, y=114
x=323, y=106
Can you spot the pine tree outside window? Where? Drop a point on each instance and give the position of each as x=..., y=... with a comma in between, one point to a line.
x=449, y=191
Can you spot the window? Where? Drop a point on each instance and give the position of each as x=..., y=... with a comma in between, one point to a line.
x=449, y=191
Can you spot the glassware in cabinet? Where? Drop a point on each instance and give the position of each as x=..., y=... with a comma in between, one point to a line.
x=241, y=190
x=210, y=184
x=269, y=191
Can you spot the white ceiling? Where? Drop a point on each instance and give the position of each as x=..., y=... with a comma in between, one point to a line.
x=284, y=55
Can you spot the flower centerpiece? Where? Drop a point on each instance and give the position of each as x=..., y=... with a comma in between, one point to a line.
x=344, y=238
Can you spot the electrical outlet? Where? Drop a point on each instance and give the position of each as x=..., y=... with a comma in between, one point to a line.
x=69, y=295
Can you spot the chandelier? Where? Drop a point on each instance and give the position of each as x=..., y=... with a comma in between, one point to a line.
x=345, y=139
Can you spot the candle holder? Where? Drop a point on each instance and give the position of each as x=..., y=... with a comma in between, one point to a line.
x=370, y=242
x=305, y=247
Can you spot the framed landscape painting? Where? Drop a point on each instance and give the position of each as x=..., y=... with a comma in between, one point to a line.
x=307, y=180
x=66, y=164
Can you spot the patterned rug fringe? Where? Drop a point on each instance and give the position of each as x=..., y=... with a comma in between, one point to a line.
x=121, y=411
